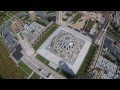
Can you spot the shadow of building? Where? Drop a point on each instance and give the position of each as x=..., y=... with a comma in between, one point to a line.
x=66, y=70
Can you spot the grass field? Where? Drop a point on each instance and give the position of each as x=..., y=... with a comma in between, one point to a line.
x=25, y=67
x=49, y=30
x=8, y=68
x=40, y=22
x=77, y=17
x=68, y=14
x=90, y=24
x=35, y=76
x=87, y=60
x=40, y=58
x=24, y=74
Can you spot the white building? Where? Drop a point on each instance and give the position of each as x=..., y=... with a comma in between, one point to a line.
x=25, y=45
x=32, y=15
x=66, y=44
x=59, y=17
x=93, y=30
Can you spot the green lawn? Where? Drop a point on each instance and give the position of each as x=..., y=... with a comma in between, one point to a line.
x=51, y=29
x=77, y=17
x=40, y=58
x=25, y=67
x=35, y=76
x=90, y=24
x=23, y=75
x=68, y=14
x=87, y=60
x=46, y=63
x=8, y=68
x=42, y=23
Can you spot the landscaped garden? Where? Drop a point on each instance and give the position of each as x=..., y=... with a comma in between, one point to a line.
x=76, y=18
x=40, y=22
x=40, y=58
x=49, y=31
x=86, y=63
x=25, y=67
x=35, y=76
x=90, y=24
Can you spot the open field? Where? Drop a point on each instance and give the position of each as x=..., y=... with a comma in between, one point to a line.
x=40, y=58
x=8, y=68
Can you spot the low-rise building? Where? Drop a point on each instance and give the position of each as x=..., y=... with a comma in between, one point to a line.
x=109, y=69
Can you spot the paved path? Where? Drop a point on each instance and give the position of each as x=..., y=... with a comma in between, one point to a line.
x=30, y=75
x=36, y=64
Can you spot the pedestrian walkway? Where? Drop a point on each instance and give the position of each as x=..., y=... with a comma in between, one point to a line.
x=30, y=75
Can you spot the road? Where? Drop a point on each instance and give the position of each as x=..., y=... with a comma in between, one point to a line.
x=35, y=65
x=100, y=40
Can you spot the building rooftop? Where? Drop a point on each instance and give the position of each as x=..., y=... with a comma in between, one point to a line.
x=66, y=44
x=17, y=55
x=108, y=68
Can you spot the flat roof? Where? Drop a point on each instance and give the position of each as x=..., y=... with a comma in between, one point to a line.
x=17, y=55
x=18, y=47
x=56, y=59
